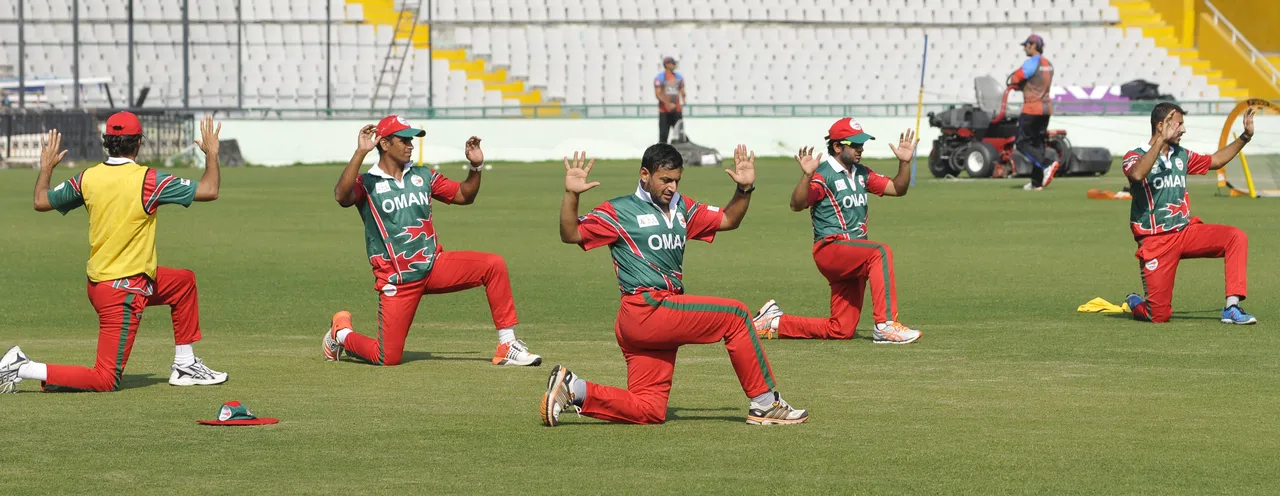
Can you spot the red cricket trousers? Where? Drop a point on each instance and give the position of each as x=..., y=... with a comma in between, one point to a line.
x=1159, y=255
x=453, y=271
x=119, y=305
x=650, y=328
x=848, y=265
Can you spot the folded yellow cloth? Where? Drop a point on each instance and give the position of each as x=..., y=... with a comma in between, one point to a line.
x=1099, y=305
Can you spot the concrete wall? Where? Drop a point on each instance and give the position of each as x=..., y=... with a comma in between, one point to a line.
x=276, y=142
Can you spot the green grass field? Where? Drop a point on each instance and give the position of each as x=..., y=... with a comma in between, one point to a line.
x=1009, y=391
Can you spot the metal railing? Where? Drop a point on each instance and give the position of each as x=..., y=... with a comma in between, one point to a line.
x=1255, y=56
x=701, y=111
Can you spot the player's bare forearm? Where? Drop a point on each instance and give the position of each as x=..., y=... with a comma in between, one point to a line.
x=800, y=195
x=569, y=219
x=211, y=181
x=1222, y=157
x=468, y=189
x=1140, y=170
x=735, y=211
x=902, y=181
x=345, y=191
x=41, y=197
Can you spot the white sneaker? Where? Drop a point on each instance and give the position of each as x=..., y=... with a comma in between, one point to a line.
x=196, y=374
x=777, y=412
x=1029, y=187
x=1049, y=173
x=9, y=365
x=515, y=353
x=894, y=333
x=330, y=346
x=559, y=396
x=764, y=317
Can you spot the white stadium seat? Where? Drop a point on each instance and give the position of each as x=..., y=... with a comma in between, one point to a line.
x=598, y=51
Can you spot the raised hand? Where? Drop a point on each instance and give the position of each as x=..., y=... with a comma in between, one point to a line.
x=1248, y=123
x=208, y=141
x=1170, y=130
x=51, y=152
x=474, y=154
x=906, y=148
x=367, y=140
x=808, y=163
x=744, y=167
x=575, y=173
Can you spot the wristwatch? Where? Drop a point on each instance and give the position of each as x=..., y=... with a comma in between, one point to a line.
x=747, y=191
x=1245, y=138
x=477, y=168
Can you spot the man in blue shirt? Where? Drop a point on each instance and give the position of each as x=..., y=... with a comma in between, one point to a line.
x=668, y=87
x=1033, y=79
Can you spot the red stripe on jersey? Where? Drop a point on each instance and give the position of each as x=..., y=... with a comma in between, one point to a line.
x=154, y=198
x=834, y=205
x=613, y=222
x=383, y=230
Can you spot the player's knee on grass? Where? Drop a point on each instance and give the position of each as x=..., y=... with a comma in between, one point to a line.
x=838, y=332
x=653, y=412
x=391, y=358
x=104, y=381
x=1147, y=312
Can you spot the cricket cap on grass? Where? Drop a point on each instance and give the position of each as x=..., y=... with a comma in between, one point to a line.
x=394, y=125
x=847, y=131
x=235, y=413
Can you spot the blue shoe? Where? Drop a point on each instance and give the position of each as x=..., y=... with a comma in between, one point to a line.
x=1235, y=315
x=1133, y=300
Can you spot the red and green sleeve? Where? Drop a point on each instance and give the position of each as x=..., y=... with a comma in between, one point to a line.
x=160, y=188
x=599, y=227
x=1131, y=159
x=704, y=221
x=66, y=196
x=361, y=193
x=1198, y=164
x=876, y=183
x=817, y=189
x=444, y=189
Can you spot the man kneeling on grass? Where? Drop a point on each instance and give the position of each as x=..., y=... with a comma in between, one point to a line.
x=646, y=234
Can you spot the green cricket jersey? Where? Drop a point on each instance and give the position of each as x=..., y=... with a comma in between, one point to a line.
x=399, y=237
x=646, y=242
x=1160, y=202
x=838, y=199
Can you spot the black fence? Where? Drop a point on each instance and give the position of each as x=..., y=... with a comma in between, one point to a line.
x=165, y=134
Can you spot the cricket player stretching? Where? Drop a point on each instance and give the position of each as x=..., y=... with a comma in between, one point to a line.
x=122, y=199
x=394, y=200
x=646, y=233
x=1160, y=217
x=835, y=192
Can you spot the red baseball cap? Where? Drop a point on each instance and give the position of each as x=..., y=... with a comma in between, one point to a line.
x=396, y=125
x=849, y=131
x=1036, y=40
x=123, y=124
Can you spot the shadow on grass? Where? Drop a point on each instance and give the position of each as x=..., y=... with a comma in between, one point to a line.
x=675, y=414
x=414, y=356
x=141, y=380
x=1213, y=314
x=672, y=414
x=126, y=382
